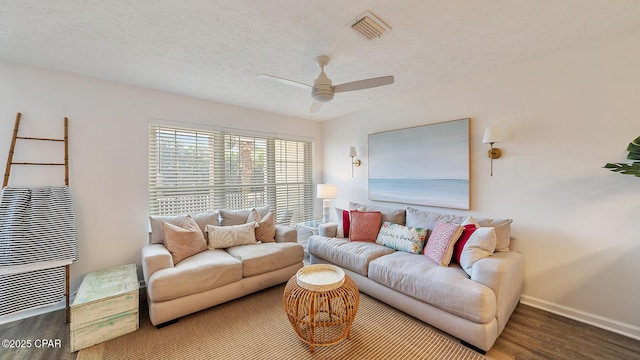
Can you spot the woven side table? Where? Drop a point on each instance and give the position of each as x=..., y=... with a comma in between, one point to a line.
x=321, y=318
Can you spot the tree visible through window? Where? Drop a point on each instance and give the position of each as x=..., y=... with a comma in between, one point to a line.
x=192, y=171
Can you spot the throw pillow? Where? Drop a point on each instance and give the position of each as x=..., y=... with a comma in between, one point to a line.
x=481, y=244
x=403, y=238
x=222, y=237
x=466, y=233
x=365, y=225
x=183, y=240
x=501, y=226
x=266, y=230
x=344, y=222
x=439, y=247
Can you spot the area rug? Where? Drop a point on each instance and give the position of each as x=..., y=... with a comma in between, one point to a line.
x=256, y=327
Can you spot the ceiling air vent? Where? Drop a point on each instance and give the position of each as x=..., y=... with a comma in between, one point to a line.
x=370, y=25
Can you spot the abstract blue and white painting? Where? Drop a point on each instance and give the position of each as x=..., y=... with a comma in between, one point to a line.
x=423, y=165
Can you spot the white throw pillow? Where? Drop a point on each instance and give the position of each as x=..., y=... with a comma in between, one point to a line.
x=481, y=244
x=222, y=237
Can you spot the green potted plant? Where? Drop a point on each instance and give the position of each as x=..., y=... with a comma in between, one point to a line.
x=628, y=168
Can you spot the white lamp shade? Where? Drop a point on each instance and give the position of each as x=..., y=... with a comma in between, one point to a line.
x=327, y=191
x=492, y=134
x=353, y=152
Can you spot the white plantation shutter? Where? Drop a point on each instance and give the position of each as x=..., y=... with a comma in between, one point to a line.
x=195, y=170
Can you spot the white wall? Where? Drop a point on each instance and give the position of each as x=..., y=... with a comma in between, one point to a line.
x=108, y=145
x=565, y=116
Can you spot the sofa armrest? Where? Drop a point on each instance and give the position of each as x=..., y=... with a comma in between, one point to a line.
x=155, y=257
x=503, y=272
x=286, y=234
x=329, y=229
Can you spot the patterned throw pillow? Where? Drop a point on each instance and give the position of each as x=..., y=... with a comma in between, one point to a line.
x=403, y=238
x=439, y=247
x=481, y=244
x=183, y=240
x=222, y=237
x=364, y=225
x=266, y=230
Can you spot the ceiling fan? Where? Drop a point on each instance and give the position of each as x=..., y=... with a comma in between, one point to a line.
x=322, y=89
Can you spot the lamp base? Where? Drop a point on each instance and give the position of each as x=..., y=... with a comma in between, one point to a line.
x=326, y=210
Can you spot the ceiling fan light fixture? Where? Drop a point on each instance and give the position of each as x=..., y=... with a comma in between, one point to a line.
x=322, y=93
x=370, y=25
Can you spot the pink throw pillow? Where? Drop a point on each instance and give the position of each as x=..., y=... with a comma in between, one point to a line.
x=439, y=247
x=365, y=225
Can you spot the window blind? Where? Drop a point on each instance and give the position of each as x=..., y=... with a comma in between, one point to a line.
x=195, y=170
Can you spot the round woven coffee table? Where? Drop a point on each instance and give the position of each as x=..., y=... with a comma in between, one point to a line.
x=321, y=317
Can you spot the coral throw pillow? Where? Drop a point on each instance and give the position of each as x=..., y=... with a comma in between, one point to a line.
x=365, y=225
x=439, y=247
x=183, y=240
x=266, y=230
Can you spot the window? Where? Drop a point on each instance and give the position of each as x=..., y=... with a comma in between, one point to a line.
x=194, y=170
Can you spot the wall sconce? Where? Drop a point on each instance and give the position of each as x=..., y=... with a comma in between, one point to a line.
x=492, y=135
x=353, y=153
x=326, y=192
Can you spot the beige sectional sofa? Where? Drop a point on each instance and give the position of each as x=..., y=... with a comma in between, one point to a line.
x=473, y=307
x=215, y=275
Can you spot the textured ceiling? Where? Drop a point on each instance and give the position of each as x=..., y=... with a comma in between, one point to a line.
x=214, y=49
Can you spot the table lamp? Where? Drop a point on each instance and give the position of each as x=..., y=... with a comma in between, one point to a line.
x=326, y=192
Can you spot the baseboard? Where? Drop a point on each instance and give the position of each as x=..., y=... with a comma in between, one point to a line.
x=584, y=317
x=20, y=315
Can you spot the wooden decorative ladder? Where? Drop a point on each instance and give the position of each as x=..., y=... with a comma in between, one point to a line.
x=66, y=178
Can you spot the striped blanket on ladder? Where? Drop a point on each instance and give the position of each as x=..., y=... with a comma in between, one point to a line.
x=38, y=238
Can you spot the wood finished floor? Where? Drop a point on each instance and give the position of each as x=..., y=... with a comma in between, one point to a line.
x=530, y=334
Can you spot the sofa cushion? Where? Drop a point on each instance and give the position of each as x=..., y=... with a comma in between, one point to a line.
x=364, y=226
x=239, y=217
x=422, y=219
x=396, y=216
x=207, y=270
x=183, y=240
x=221, y=237
x=261, y=258
x=202, y=219
x=402, y=238
x=447, y=288
x=351, y=255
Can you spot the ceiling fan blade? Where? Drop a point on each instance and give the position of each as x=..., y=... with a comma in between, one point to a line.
x=284, y=81
x=364, y=84
x=315, y=107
